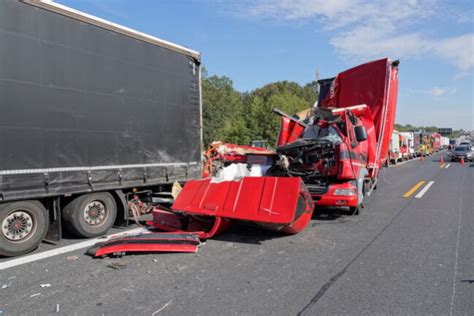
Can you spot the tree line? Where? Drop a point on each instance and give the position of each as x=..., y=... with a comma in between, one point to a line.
x=235, y=117
x=429, y=129
x=240, y=118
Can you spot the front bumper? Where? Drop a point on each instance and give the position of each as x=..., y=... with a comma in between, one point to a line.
x=329, y=199
x=458, y=158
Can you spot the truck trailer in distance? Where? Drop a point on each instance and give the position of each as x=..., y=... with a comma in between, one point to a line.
x=90, y=112
x=407, y=146
x=395, y=154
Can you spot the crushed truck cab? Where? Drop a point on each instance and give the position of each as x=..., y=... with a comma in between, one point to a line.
x=331, y=154
x=332, y=157
x=339, y=150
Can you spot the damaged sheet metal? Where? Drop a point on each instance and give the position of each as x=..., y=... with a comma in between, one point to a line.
x=202, y=226
x=220, y=152
x=280, y=203
x=147, y=242
x=205, y=208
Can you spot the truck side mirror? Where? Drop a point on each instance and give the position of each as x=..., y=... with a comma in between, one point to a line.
x=360, y=133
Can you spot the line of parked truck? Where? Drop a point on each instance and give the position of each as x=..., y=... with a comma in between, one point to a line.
x=410, y=145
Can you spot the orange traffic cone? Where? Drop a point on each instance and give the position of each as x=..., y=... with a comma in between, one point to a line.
x=462, y=161
x=422, y=158
x=441, y=160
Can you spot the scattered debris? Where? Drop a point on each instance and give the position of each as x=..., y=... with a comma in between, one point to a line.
x=162, y=308
x=45, y=285
x=72, y=258
x=117, y=266
x=36, y=294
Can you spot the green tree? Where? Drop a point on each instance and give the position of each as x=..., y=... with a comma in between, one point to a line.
x=231, y=116
x=290, y=97
x=222, y=110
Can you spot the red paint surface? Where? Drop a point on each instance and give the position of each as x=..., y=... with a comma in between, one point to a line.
x=257, y=199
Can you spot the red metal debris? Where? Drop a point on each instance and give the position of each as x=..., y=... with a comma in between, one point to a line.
x=202, y=226
x=147, y=242
x=281, y=203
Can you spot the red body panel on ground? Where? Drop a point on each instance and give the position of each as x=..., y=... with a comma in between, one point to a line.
x=258, y=199
x=147, y=242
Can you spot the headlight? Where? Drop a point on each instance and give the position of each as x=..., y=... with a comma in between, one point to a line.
x=347, y=192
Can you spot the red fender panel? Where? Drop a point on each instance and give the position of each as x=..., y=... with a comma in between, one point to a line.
x=257, y=199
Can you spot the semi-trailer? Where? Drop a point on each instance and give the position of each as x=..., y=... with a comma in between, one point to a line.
x=394, y=152
x=445, y=142
x=435, y=142
x=90, y=112
x=407, y=146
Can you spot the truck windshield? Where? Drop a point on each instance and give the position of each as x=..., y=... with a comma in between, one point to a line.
x=460, y=149
x=328, y=133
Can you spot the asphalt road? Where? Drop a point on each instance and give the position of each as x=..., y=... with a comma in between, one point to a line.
x=402, y=255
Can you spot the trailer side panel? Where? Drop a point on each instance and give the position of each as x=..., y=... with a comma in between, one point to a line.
x=87, y=109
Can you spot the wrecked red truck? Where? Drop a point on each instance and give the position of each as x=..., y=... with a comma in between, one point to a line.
x=332, y=157
x=337, y=151
x=340, y=150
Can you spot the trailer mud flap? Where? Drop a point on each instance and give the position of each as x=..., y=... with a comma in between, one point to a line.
x=278, y=203
x=147, y=242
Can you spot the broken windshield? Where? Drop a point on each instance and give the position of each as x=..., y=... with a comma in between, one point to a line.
x=328, y=133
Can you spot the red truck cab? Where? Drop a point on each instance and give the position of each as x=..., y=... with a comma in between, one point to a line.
x=339, y=151
x=331, y=153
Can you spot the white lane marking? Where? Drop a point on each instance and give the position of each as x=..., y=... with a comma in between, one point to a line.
x=54, y=252
x=447, y=166
x=424, y=190
x=455, y=275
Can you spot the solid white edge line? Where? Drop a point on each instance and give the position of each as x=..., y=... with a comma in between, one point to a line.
x=58, y=251
x=447, y=166
x=424, y=190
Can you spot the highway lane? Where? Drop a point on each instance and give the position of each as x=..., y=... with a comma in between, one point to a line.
x=422, y=261
x=401, y=255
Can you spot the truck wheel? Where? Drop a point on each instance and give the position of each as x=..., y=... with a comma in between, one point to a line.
x=24, y=225
x=90, y=215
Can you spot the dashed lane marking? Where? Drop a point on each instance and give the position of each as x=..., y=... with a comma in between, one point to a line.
x=447, y=166
x=54, y=252
x=424, y=190
x=413, y=189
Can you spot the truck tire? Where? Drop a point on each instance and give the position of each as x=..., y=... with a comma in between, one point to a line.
x=90, y=215
x=24, y=224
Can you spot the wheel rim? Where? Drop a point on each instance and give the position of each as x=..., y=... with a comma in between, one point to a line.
x=95, y=213
x=18, y=226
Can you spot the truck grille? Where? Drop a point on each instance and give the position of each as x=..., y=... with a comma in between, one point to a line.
x=317, y=189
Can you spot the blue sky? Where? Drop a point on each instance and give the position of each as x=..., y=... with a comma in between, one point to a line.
x=262, y=41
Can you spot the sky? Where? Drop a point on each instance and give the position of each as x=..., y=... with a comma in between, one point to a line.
x=262, y=41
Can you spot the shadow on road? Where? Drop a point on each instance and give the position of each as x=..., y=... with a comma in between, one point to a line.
x=334, y=215
x=246, y=233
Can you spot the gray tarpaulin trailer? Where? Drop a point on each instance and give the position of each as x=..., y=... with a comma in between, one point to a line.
x=89, y=110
